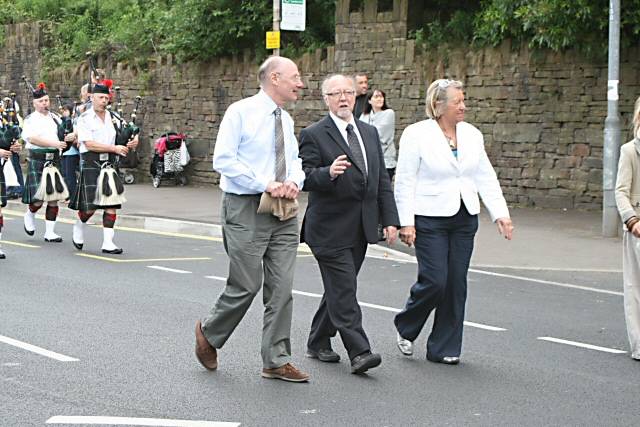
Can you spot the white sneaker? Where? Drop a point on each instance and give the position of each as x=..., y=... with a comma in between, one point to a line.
x=29, y=222
x=78, y=234
x=405, y=346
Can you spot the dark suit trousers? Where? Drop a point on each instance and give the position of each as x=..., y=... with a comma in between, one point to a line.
x=443, y=248
x=339, y=310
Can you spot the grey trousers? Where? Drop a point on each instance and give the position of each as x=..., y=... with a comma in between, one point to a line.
x=631, y=278
x=262, y=253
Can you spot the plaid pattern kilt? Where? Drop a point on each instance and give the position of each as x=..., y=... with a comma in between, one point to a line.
x=3, y=187
x=85, y=194
x=35, y=162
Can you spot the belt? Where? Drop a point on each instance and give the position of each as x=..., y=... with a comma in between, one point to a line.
x=46, y=156
x=92, y=156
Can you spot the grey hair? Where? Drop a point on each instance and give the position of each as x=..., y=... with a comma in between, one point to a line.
x=325, y=82
x=436, y=99
x=636, y=119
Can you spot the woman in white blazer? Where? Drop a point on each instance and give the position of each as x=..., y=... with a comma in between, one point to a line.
x=628, y=201
x=442, y=168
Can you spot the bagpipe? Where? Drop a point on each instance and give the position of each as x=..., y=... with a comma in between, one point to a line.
x=65, y=127
x=125, y=130
x=52, y=186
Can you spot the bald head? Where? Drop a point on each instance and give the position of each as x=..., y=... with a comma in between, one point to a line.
x=280, y=79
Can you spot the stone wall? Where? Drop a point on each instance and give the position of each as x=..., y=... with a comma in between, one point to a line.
x=542, y=113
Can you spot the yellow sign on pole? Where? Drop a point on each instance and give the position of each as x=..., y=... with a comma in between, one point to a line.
x=273, y=39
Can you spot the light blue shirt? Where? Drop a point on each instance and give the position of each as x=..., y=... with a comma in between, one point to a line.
x=245, y=153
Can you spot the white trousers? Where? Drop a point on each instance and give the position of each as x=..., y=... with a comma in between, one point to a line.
x=631, y=278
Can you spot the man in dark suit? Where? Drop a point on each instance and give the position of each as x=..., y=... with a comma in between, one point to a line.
x=349, y=195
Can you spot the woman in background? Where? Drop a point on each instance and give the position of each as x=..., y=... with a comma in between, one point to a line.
x=378, y=114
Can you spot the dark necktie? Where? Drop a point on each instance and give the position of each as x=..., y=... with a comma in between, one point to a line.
x=281, y=164
x=354, y=145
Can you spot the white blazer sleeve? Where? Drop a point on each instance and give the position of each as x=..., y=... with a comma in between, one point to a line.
x=489, y=187
x=407, y=176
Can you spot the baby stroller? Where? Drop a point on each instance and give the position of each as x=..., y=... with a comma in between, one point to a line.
x=169, y=159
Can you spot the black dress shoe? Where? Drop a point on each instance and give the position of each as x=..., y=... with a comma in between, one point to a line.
x=30, y=233
x=77, y=245
x=115, y=251
x=447, y=360
x=324, y=355
x=364, y=362
x=2, y=256
x=56, y=240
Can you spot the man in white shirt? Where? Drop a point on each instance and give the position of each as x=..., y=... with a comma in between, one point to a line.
x=98, y=150
x=41, y=136
x=257, y=152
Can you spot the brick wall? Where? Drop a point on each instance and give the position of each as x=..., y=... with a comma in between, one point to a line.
x=542, y=113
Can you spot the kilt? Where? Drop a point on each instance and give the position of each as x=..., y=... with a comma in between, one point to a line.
x=36, y=161
x=85, y=194
x=3, y=187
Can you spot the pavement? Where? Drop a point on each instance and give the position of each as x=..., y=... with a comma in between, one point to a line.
x=544, y=239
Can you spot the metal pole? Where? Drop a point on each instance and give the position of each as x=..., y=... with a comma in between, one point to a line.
x=612, y=136
x=276, y=22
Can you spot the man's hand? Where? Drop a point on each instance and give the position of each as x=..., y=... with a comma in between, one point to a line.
x=390, y=233
x=339, y=165
x=505, y=227
x=275, y=189
x=291, y=190
x=16, y=147
x=133, y=144
x=70, y=137
x=408, y=235
x=121, y=150
x=635, y=230
x=5, y=154
x=60, y=145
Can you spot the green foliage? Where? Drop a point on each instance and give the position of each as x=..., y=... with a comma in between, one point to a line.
x=552, y=24
x=133, y=30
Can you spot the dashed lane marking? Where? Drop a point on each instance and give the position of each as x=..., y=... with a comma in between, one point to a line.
x=546, y=282
x=224, y=279
x=582, y=345
x=171, y=270
x=129, y=421
x=119, y=260
x=22, y=245
x=38, y=350
x=397, y=310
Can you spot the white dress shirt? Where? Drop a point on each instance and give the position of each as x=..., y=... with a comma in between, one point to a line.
x=430, y=181
x=91, y=128
x=245, y=153
x=41, y=126
x=342, y=127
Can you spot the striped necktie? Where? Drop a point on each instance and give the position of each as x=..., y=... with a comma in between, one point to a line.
x=281, y=164
x=354, y=145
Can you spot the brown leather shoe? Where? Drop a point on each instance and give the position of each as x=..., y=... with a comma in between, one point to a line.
x=286, y=372
x=205, y=352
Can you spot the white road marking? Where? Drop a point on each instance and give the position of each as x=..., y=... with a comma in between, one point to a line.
x=119, y=421
x=546, y=282
x=224, y=279
x=397, y=310
x=560, y=269
x=172, y=270
x=38, y=350
x=582, y=345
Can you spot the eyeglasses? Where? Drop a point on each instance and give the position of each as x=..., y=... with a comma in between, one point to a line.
x=339, y=93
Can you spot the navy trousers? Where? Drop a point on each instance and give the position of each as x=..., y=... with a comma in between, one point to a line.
x=443, y=249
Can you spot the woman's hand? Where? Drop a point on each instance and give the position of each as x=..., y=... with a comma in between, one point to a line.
x=505, y=227
x=408, y=235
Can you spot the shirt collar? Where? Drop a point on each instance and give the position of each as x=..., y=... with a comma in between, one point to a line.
x=341, y=124
x=267, y=101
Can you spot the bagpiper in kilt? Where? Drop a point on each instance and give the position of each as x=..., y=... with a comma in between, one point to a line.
x=99, y=186
x=44, y=182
